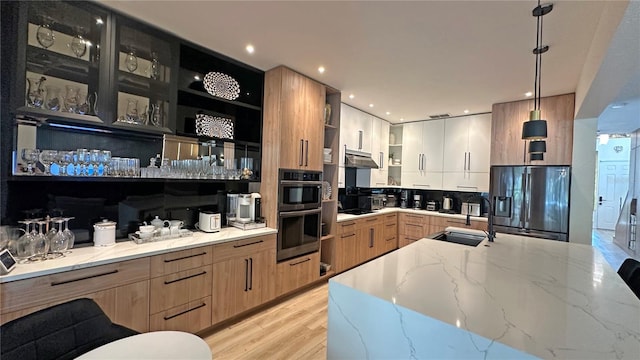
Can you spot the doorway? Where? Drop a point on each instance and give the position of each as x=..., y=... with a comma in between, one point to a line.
x=612, y=181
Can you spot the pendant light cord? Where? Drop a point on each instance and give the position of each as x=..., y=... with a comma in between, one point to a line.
x=535, y=83
x=540, y=19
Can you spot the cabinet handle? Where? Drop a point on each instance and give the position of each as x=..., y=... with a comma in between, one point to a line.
x=465, y=161
x=348, y=224
x=346, y=236
x=371, y=231
x=301, y=152
x=419, y=162
x=250, y=273
x=246, y=274
x=247, y=244
x=300, y=262
x=56, y=283
x=185, y=257
x=466, y=187
x=381, y=160
x=389, y=225
x=306, y=156
x=469, y=162
x=360, y=133
x=184, y=278
x=373, y=219
x=184, y=312
x=424, y=162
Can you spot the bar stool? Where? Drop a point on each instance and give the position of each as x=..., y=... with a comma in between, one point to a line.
x=629, y=271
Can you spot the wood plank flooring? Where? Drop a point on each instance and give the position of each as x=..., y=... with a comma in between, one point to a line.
x=293, y=329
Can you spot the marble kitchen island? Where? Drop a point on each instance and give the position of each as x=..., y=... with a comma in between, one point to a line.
x=518, y=297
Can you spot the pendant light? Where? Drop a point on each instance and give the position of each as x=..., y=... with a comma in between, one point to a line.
x=537, y=147
x=536, y=157
x=536, y=128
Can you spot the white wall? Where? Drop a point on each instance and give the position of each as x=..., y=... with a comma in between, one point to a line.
x=616, y=149
x=583, y=173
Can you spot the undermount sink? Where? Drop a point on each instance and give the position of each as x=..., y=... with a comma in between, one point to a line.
x=458, y=238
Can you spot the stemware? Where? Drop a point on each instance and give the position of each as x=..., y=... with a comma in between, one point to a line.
x=30, y=156
x=24, y=244
x=71, y=237
x=79, y=44
x=47, y=157
x=83, y=159
x=35, y=92
x=45, y=36
x=52, y=100
x=40, y=243
x=154, y=67
x=57, y=239
x=131, y=61
x=94, y=160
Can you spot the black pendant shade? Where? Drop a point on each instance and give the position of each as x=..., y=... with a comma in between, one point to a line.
x=537, y=147
x=536, y=157
x=534, y=130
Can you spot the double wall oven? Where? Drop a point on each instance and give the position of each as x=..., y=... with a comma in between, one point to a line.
x=299, y=212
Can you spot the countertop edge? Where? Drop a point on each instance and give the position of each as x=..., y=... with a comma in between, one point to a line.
x=346, y=217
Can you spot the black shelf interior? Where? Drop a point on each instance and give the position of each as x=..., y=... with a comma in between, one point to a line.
x=61, y=66
x=143, y=86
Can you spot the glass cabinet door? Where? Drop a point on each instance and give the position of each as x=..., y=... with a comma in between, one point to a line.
x=143, y=72
x=63, y=77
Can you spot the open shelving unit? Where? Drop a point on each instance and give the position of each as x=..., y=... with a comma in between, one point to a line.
x=395, y=154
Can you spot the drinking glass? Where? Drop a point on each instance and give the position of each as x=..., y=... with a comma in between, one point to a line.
x=47, y=157
x=84, y=157
x=57, y=239
x=65, y=158
x=52, y=100
x=131, y=115
x=71, y=98
x=40, y=243
x=114, y=166
x=35, y=92
x=71, y=237
x=45, y=36
x=30, y=156
x=105, y=160
x=131, y=61
x=94, y=159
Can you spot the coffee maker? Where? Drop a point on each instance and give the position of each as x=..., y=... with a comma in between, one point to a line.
x=256, y=203
x=417, y=201
x=244, y=214
x=232, y=207
x=404, y=198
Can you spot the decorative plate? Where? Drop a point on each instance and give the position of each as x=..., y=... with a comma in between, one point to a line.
x=214, y=126
x=326, y=190
x=221, y=85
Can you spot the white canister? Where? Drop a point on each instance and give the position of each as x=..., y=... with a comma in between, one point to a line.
x=104, y=233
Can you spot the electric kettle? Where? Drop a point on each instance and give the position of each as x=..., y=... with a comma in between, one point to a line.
x=447, y=203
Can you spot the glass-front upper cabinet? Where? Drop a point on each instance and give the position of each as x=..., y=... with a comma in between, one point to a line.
x=63, y=64
x=143, y=70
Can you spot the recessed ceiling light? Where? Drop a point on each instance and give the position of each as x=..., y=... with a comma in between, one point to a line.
x=466, y=111
x=321, y=69
x=528, y=94
x=99, y=21
x=196, y=78
x=250, y=49
x=351, y=96
x=388, y=112
x=618, y=105
x=401, y=119
x=370, y=105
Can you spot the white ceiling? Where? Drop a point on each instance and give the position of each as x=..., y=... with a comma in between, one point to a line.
x=412, y=59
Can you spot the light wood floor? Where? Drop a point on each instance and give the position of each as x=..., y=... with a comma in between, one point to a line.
x=293, y=329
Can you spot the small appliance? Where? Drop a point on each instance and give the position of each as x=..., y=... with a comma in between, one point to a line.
x=378, y=201
x=447, y=203
x=104, y=233
x=404, y=199
x=472, y=209
x=417, y=201
x=299, y=190
x=365, y=203
x=391, y=200
x=256, y=203
x=433, y=205
x=232, y=207
x=209, y=221
x=243, y=214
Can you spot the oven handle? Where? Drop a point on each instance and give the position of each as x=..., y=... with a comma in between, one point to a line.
x=294, y=213
x=294, y=182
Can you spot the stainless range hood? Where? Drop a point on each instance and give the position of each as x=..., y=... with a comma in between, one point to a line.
x=359, y=159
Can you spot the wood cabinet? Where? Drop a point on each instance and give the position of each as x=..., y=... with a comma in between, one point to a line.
x=507, y=146
x=466, y=153
x=390, y=234
x=243, y=275
x=180, y=290
x=412, y=227
x=422, y=154
x=346, y=257
x=296, y=273
x=121, y=289
x=369, y=238
x=358, y=241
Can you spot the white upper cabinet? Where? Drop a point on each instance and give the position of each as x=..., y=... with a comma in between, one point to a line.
x=380, y=152
x=422, y=154
x=355, y=129
x=467, y=149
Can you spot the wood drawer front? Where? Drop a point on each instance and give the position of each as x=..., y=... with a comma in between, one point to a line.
x=180, y=260
x=413, y=219
x=347, y=228
x=179, y=288
x=369, y=221
x=21, y=294
x=232, y=249
x=390, y=230
x=413, y=231
x=295, y=273
x=191, y=317
x=406, y=240
x=389, y=218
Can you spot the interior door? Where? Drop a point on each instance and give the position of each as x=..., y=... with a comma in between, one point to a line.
x=613, y=183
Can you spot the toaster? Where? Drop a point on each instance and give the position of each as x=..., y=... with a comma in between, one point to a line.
x=433, y=205
x=209, y=221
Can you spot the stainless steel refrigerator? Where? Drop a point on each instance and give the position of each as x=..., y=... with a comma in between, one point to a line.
x=531, y=200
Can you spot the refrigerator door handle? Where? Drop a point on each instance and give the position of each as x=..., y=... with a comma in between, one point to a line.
x=523, y=207
x=527, y=201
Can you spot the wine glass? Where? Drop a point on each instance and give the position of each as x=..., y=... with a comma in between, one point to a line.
x=57, y=240
x=40, y=243
x=131, y=61
x=45, y=36
x=71, y=237
x=24, y=243
x=79, y=44
x=154, y=67
x=30, y=156
x=47, y=157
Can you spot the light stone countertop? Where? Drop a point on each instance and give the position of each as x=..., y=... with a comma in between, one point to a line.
x=93, y=256
x=391, y=210
x=518, y=297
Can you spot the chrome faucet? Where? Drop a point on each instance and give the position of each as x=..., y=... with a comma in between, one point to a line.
x=491, y=233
